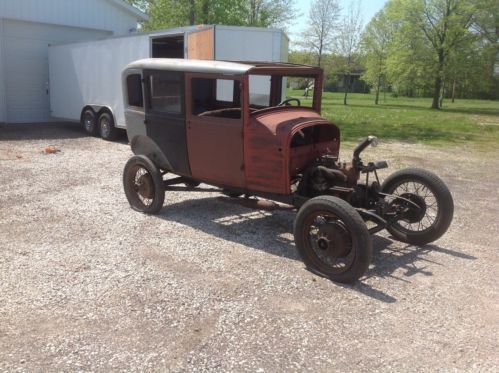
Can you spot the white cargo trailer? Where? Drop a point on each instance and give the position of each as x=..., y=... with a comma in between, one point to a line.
x=85, y=78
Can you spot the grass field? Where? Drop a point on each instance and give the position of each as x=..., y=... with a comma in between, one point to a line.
x=410, y=119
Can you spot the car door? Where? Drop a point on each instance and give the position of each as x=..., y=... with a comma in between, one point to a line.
x=215, y=129
x=165, y=118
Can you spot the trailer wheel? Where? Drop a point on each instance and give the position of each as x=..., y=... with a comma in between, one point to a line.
x=107, y=130
x=143, y=184
x=88, y=121
x=332, y=239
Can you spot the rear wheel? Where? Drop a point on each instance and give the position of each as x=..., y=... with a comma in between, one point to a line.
x=107, y=130
x=89, y=121
x=435, y=207
x=332, y=239
x=143, y=184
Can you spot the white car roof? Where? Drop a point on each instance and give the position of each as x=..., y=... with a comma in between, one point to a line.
x=187, y=65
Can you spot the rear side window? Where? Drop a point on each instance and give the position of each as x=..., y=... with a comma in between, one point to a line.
x=166, y=92
x=216, y=98
x=134, y=86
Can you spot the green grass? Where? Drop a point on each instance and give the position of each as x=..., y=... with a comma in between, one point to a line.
x=411, y=119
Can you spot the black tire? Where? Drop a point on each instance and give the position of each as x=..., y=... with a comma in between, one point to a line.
x=89, y=122
x=348, y=241
x=107, y=130
x=438, y=219
x=143, y=184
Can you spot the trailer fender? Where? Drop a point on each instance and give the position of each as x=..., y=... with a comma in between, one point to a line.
x=99, y=109
x=143, y=145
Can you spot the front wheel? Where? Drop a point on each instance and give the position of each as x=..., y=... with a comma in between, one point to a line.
x=332, y=239
x=429, y=215
x=143, y=184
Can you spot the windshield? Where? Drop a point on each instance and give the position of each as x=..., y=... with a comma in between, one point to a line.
x=280, y=90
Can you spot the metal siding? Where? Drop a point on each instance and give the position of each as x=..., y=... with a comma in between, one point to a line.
x=249, y=44
x=90, y=73
x=3, y=117
x=97, y=14
x=234, y=44
x=25, y=56
x=284, y=48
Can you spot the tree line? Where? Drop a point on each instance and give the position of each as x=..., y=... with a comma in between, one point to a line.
x=436, y=48
x=176, y=13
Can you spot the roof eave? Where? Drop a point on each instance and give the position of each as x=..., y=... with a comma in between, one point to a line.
x=141, y=16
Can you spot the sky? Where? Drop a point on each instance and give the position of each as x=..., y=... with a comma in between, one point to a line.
x=368, y=8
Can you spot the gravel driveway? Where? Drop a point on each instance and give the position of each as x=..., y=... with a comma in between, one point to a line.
x=88, y=284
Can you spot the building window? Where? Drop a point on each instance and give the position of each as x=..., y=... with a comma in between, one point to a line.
x=134, y=85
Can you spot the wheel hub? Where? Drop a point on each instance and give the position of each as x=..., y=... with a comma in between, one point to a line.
x=88, y=124
x=413, y=214
x=334, y=240
x=145, y=186
x=104, y=127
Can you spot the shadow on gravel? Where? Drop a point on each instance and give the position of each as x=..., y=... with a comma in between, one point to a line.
x=48, y=131
x=271, y=231
x=412, y=259
x=262, y=230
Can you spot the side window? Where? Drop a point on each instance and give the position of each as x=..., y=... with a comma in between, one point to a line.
x=216, y=98
x=166, y=92
x=134, y=87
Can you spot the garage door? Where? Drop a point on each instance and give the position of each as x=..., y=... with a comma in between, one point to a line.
x=26, y=66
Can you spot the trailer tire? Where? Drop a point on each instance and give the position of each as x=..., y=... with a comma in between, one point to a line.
x=107, y=130
x=88, y=121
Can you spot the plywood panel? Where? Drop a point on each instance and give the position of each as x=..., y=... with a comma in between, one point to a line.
x=200, y=45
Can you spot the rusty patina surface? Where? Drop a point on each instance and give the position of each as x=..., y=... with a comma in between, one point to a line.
x=269, y=159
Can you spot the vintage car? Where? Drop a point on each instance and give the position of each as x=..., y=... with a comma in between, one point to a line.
x=230, y=125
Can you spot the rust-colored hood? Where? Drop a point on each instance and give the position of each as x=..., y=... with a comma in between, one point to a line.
x=267, y=139
x=282, y=122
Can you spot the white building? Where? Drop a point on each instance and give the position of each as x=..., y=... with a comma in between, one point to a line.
x=27, y=27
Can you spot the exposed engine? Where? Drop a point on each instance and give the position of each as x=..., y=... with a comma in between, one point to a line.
x=324, y=174
x=328, y=176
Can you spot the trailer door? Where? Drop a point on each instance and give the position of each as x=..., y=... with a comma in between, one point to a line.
x=201, y=44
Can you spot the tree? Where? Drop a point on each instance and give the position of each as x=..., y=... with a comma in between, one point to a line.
x=444, y=24
x=143, y=5
x=376, y=43
x=322, y=19
x=486, y=23
x=176, y=13
x=266, y=13
x=349, y=42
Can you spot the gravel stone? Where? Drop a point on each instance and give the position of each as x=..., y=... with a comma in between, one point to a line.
x=88, y=284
